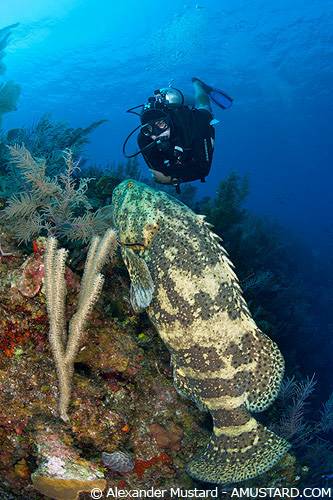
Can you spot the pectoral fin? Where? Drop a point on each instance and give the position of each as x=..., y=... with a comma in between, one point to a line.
x=142, y=286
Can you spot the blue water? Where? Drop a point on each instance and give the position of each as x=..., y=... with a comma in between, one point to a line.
x=84, y=60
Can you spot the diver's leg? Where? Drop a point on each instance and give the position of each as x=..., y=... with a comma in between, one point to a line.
x=201, y=97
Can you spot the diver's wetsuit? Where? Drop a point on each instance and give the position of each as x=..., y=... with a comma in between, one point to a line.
x=191, y=130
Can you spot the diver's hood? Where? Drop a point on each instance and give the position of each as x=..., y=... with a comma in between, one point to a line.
x=170, y=97
x=160, y=103
x=151, y=115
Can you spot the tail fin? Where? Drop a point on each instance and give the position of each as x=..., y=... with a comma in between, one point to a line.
x=234, y=456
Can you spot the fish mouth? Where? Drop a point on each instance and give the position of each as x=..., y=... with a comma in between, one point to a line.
x=133, y=246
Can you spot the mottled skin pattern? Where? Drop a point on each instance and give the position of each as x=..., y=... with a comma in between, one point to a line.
x=221, y=359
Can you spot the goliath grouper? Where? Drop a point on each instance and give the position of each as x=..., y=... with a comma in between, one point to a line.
x=182, y=276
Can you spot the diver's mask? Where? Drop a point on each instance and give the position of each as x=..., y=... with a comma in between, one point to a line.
x=154, y=121
x=155, y=127
x=163, y=100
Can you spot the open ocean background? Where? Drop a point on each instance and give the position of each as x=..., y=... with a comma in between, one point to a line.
x=83, y=60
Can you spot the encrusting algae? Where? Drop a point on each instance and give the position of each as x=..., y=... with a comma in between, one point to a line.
x=182, y=276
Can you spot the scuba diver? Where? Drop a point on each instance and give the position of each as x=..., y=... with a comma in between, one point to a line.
x=176, y=136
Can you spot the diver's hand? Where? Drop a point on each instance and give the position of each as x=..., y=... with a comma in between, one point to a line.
x=161, y=178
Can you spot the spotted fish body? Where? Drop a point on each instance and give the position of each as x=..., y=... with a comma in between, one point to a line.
x=182, y=276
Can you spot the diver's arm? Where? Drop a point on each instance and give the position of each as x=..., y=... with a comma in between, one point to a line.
x=160, y=178
x=159, y=166
x=152, y=157
x=154, y=161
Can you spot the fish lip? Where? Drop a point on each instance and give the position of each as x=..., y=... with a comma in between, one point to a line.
x=131, y=244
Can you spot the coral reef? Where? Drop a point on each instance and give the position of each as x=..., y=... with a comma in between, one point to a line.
x=62, y=474
x=123, y=396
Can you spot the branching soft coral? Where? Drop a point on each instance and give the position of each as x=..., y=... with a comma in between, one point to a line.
x=326, y=421
x=65, y=343
x=56, y=206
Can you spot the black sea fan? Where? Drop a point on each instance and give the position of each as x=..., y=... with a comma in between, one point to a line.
x=292, y=399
